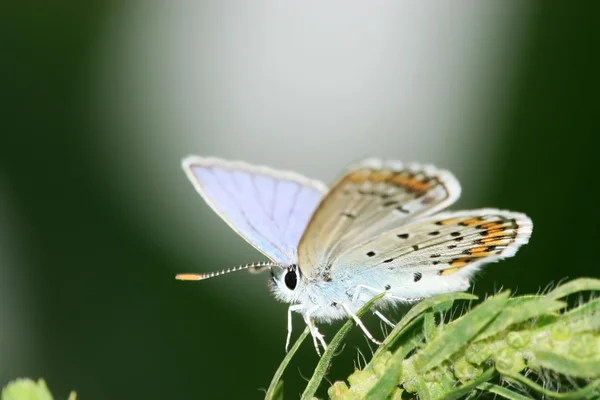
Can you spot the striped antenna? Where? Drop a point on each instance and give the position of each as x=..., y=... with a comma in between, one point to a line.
x=200, y=277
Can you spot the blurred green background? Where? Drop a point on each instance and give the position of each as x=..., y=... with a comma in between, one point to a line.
x=101, y=100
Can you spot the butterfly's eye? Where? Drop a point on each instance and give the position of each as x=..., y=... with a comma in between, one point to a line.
x=291, y=279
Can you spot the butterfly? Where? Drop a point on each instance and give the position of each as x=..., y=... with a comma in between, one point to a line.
x=378, y=229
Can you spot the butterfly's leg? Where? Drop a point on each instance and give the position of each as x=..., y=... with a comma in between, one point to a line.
x=384, y=319
x=293, y=307
x=359, y=323
x=316, y=335
x=356, y=295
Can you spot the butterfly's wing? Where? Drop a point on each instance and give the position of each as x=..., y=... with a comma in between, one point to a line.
x=438, y=246
x=268, y=208
x=373, y=197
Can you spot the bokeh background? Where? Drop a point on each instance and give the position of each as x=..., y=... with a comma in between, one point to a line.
x=101, y=100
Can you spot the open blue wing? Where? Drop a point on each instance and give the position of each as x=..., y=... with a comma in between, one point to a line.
x=268, y=208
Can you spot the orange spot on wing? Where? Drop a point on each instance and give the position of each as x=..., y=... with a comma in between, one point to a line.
x=459, y=263
x=380, y=176
x=450, y=271
x=471, y=221
x=358, y=176
x=492, y=225
x=410, y=183
x=495, y=233
x=480, y=252
x=450, y=221
x=492, y=241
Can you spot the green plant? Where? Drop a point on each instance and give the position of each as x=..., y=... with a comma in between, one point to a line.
x=512, y=347
x=27, y=389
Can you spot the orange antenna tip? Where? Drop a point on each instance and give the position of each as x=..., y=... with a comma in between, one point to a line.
x=188, y=277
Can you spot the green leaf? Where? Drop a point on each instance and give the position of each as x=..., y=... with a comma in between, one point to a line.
x=520, y=309
x=393, y=369
x=275, y=390
x=574, y=286
x=423, y=390
x=589, y=323
x=440, y=301
x=278, y=392
x=577, y=394
x=429, y=324
x=502, y=391
x=575, y=367
x=336, y=342
x=469, y=387
x=26, y=389
x=457, y=334
x=584, y=310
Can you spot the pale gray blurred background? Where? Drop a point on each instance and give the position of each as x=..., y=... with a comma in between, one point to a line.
x=306, y=86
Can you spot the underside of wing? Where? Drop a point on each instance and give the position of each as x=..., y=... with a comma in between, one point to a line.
x=268, y=208
x=373, y=197
x=443, y=244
